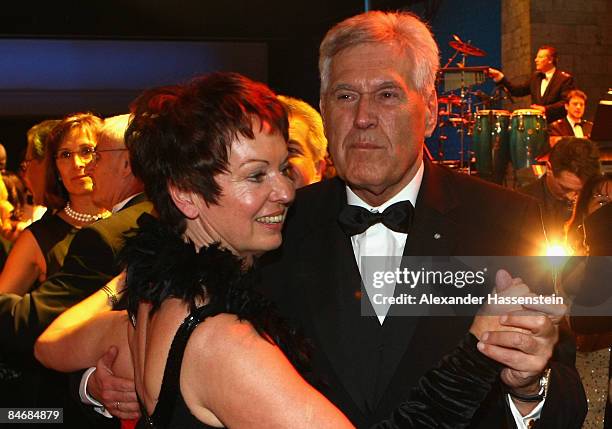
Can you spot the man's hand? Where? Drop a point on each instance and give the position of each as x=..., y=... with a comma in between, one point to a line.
x=525, y=355
x=538, y=107
x=524, y=343
x=494, y=74
x=118, y=395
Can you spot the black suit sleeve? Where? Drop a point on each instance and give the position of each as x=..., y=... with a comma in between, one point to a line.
x=519, y=90
x=88, y=265
x=565, y=405
x=556, y=129
x=449, y=395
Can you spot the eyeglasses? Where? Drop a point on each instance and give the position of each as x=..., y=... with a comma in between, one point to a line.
x=96, y=152
x=85, y=154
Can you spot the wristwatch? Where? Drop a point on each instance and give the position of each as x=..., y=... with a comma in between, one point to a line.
x=538, y=397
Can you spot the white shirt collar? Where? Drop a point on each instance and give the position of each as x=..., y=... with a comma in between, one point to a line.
x=408, y=193
x=122, y=204
x=571, y=121
x=549, y=74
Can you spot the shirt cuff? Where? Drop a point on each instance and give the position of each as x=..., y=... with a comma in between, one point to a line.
x=523, y=422
x=88, y=400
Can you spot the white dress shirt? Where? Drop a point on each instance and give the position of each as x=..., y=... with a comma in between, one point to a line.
x=378, y=240
x=546, y=80
x=578, y=132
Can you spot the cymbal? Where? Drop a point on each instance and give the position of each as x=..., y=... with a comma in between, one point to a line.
x=449, y=99
x=466, y=48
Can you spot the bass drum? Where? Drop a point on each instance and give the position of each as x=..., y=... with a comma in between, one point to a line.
x=490, y=142
x=528, y=137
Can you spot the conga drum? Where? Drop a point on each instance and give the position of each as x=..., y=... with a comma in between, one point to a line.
x=490, y=141
x=528, y=136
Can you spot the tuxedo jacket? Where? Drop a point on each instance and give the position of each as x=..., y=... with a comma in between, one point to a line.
x=554, y=96
x=90, y=263
x=562, y=127
x=367, y=369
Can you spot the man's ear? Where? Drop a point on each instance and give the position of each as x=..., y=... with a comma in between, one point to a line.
x=431, y=113
x=320, y=168
x=184, y=201
x=549, y=169
x=125, y=166
x=322, y=110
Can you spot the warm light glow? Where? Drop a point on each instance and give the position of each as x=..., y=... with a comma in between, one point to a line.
x=558, y=250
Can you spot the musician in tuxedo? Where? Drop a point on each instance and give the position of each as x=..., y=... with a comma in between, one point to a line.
x=548, y=86
x=91, y=260
x=572, y=124
x=378, y=103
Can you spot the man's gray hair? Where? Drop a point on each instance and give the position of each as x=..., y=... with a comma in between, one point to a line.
x=113, y=130
x=412, y=37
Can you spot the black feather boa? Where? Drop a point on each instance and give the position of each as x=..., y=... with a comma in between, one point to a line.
x=161, y=265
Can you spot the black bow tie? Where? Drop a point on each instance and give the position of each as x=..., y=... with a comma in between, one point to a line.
x=397, y=217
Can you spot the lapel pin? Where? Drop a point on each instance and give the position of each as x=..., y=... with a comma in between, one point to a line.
x=437, y=236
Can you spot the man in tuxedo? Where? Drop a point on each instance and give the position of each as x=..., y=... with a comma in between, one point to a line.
x=91, y=260
x=548, y=86
x=572, y=124
x=378, y=103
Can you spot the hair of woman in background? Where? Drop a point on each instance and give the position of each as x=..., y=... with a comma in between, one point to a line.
x=204, y=348
x=66, y=192
x=307, y=143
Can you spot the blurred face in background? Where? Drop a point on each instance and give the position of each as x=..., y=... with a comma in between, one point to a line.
x=105, y=170
x=564, y=186
x=305, y=168
x=2, y=159
x=33, y=173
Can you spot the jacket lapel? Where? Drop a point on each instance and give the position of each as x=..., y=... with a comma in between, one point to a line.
x=554, y=80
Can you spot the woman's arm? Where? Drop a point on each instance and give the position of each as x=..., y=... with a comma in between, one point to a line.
x=24, y=265
x=83, y=333
x=80, y=346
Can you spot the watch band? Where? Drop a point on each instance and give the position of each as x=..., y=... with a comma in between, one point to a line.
x=538, y=397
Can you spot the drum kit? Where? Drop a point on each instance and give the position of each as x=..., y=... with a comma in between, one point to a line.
x=488, y=138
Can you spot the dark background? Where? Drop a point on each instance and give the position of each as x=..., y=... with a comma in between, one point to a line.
x=287, y=33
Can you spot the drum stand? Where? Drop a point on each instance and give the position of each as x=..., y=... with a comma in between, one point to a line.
x=464, y=115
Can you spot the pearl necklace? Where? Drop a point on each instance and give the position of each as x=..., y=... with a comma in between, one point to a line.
x=81, y=217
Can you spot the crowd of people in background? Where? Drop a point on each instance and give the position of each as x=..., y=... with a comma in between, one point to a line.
x=207, y=172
